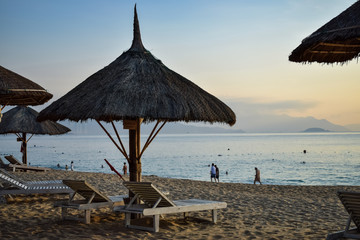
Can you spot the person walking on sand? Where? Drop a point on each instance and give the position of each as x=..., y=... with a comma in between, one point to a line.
x=257, y=176
x=213, y=172
x=125, y=168
x=72, y=166
x=217, y=173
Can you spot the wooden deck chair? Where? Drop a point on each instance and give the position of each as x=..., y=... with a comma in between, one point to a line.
x=91, y=199
x=351, y=202
x=12, y=185
x=2, y=164
x=13, y=160
x=17, y=165
x=155, y=203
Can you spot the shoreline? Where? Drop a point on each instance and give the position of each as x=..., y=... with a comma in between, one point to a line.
x=253, y=212
x=250, y=182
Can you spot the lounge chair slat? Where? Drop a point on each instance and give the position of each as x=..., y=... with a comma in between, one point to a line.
x=22, y=187
x=93, y=199
x=157, y=203
x=13, y=160
x=351, y=202
x=17, y=165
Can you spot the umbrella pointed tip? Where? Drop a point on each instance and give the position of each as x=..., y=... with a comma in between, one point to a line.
x=136, y=43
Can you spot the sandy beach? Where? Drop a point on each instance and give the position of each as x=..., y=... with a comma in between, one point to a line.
x=253, y=212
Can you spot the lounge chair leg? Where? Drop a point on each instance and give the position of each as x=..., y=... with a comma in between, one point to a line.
x=348, y=223
x=127, y=219
x=87, y=216
x=156, y=223
x=214, y=215
x=64, y=213
x=3, y=199
x=335, y=236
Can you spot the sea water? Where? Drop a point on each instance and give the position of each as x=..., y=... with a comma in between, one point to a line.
x=328, y=159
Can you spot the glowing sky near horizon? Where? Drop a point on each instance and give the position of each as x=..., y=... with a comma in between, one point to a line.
x=236, y=50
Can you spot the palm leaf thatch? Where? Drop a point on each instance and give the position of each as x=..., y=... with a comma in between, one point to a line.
x=338, y=41
x=23, y=120
x=18, y=90
x=138, y=85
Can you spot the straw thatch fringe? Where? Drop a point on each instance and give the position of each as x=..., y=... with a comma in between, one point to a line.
x=23, y=120
x=337, y=41
x=18, y=90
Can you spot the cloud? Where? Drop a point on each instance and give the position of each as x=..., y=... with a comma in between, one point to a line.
x=250, y=106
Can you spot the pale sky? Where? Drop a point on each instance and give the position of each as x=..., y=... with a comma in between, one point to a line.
x=235, y=49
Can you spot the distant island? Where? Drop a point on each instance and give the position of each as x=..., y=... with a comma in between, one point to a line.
x=316, y=130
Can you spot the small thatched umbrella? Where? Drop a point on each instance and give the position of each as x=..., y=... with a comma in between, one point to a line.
x=137, y=87
x=22, y=120
x=18, y=90
x=337, y=41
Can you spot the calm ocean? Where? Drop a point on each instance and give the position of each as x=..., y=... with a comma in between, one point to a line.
x=330, y=158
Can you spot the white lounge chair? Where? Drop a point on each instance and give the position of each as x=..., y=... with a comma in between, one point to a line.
x=91, y=199
x=12, y=185
x=13, y=160
x=2, y=164
x=351, y=202
x=156, y=204
x=17, y=165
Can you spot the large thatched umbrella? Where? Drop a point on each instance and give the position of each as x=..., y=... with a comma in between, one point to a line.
x=22, y=120
x=18, y=90
x=337, y=41
x=138, y=87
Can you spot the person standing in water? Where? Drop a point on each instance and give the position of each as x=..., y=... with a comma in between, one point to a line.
x=125, y=168
x=257, y=176
x=213, y=172
x=217, y=175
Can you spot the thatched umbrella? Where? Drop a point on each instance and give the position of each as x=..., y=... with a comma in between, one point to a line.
x=18, y=90
x=137, y=87
x=22, y=120
x=337, y=41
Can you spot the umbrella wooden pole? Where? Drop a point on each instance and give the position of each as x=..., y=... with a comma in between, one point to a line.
x=152, y=136
x=2, y=108
x=24, y=149
x=122, y=150
x=121, y=144
x=134, y=152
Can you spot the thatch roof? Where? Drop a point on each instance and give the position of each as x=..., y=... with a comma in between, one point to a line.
x=23, y=120
x=138, y=85
x=337, y=41
x=18, y=90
